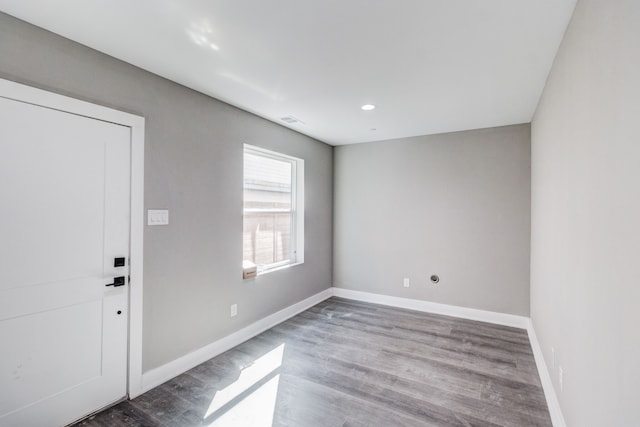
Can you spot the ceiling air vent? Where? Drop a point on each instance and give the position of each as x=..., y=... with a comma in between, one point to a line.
x=291, y=120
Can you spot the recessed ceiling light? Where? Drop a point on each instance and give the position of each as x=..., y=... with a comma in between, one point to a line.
x=368, y=107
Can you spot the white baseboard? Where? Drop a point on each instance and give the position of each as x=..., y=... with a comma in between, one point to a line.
x=545, y=378
x=157, y=376
x=436, y=308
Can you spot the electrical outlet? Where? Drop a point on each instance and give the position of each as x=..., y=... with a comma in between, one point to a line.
x=407, y=283
x=234, y=310
x=561, y=377
x=553, y=357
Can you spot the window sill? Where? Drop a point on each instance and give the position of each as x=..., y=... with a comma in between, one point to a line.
x=282, y=267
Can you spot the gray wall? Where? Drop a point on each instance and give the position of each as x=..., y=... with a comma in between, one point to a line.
x=456, y=204
x=585, y=248
x=193, y=167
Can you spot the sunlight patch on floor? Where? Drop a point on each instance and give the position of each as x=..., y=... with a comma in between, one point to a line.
x=257, y=408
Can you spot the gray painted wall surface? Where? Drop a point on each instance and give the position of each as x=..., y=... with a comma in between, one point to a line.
x=585, y=248
x=456, y=204
x=193, y=167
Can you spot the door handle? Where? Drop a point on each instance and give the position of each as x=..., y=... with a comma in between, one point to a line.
x=117, y=281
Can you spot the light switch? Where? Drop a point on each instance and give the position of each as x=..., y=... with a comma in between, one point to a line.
x=157, y=217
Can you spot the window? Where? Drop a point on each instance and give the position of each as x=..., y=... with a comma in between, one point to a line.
x=273, y=230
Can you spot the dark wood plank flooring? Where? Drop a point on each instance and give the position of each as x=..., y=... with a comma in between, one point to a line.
x=347, y=363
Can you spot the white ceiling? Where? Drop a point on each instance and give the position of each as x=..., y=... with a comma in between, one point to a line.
x=430, y=66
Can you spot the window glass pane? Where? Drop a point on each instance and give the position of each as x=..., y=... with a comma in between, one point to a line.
x=268, y=206
x=267, y=183
x=267, y=237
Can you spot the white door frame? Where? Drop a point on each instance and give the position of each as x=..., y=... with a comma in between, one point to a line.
x=23, y=93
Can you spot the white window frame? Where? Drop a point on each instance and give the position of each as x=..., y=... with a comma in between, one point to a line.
x=297, y=206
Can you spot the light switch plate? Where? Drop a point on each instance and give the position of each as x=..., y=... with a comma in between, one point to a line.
x=158, y=217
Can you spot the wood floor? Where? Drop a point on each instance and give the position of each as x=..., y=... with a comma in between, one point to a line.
x=346, y=363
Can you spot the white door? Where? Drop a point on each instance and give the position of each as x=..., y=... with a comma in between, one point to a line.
x=64, y=218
